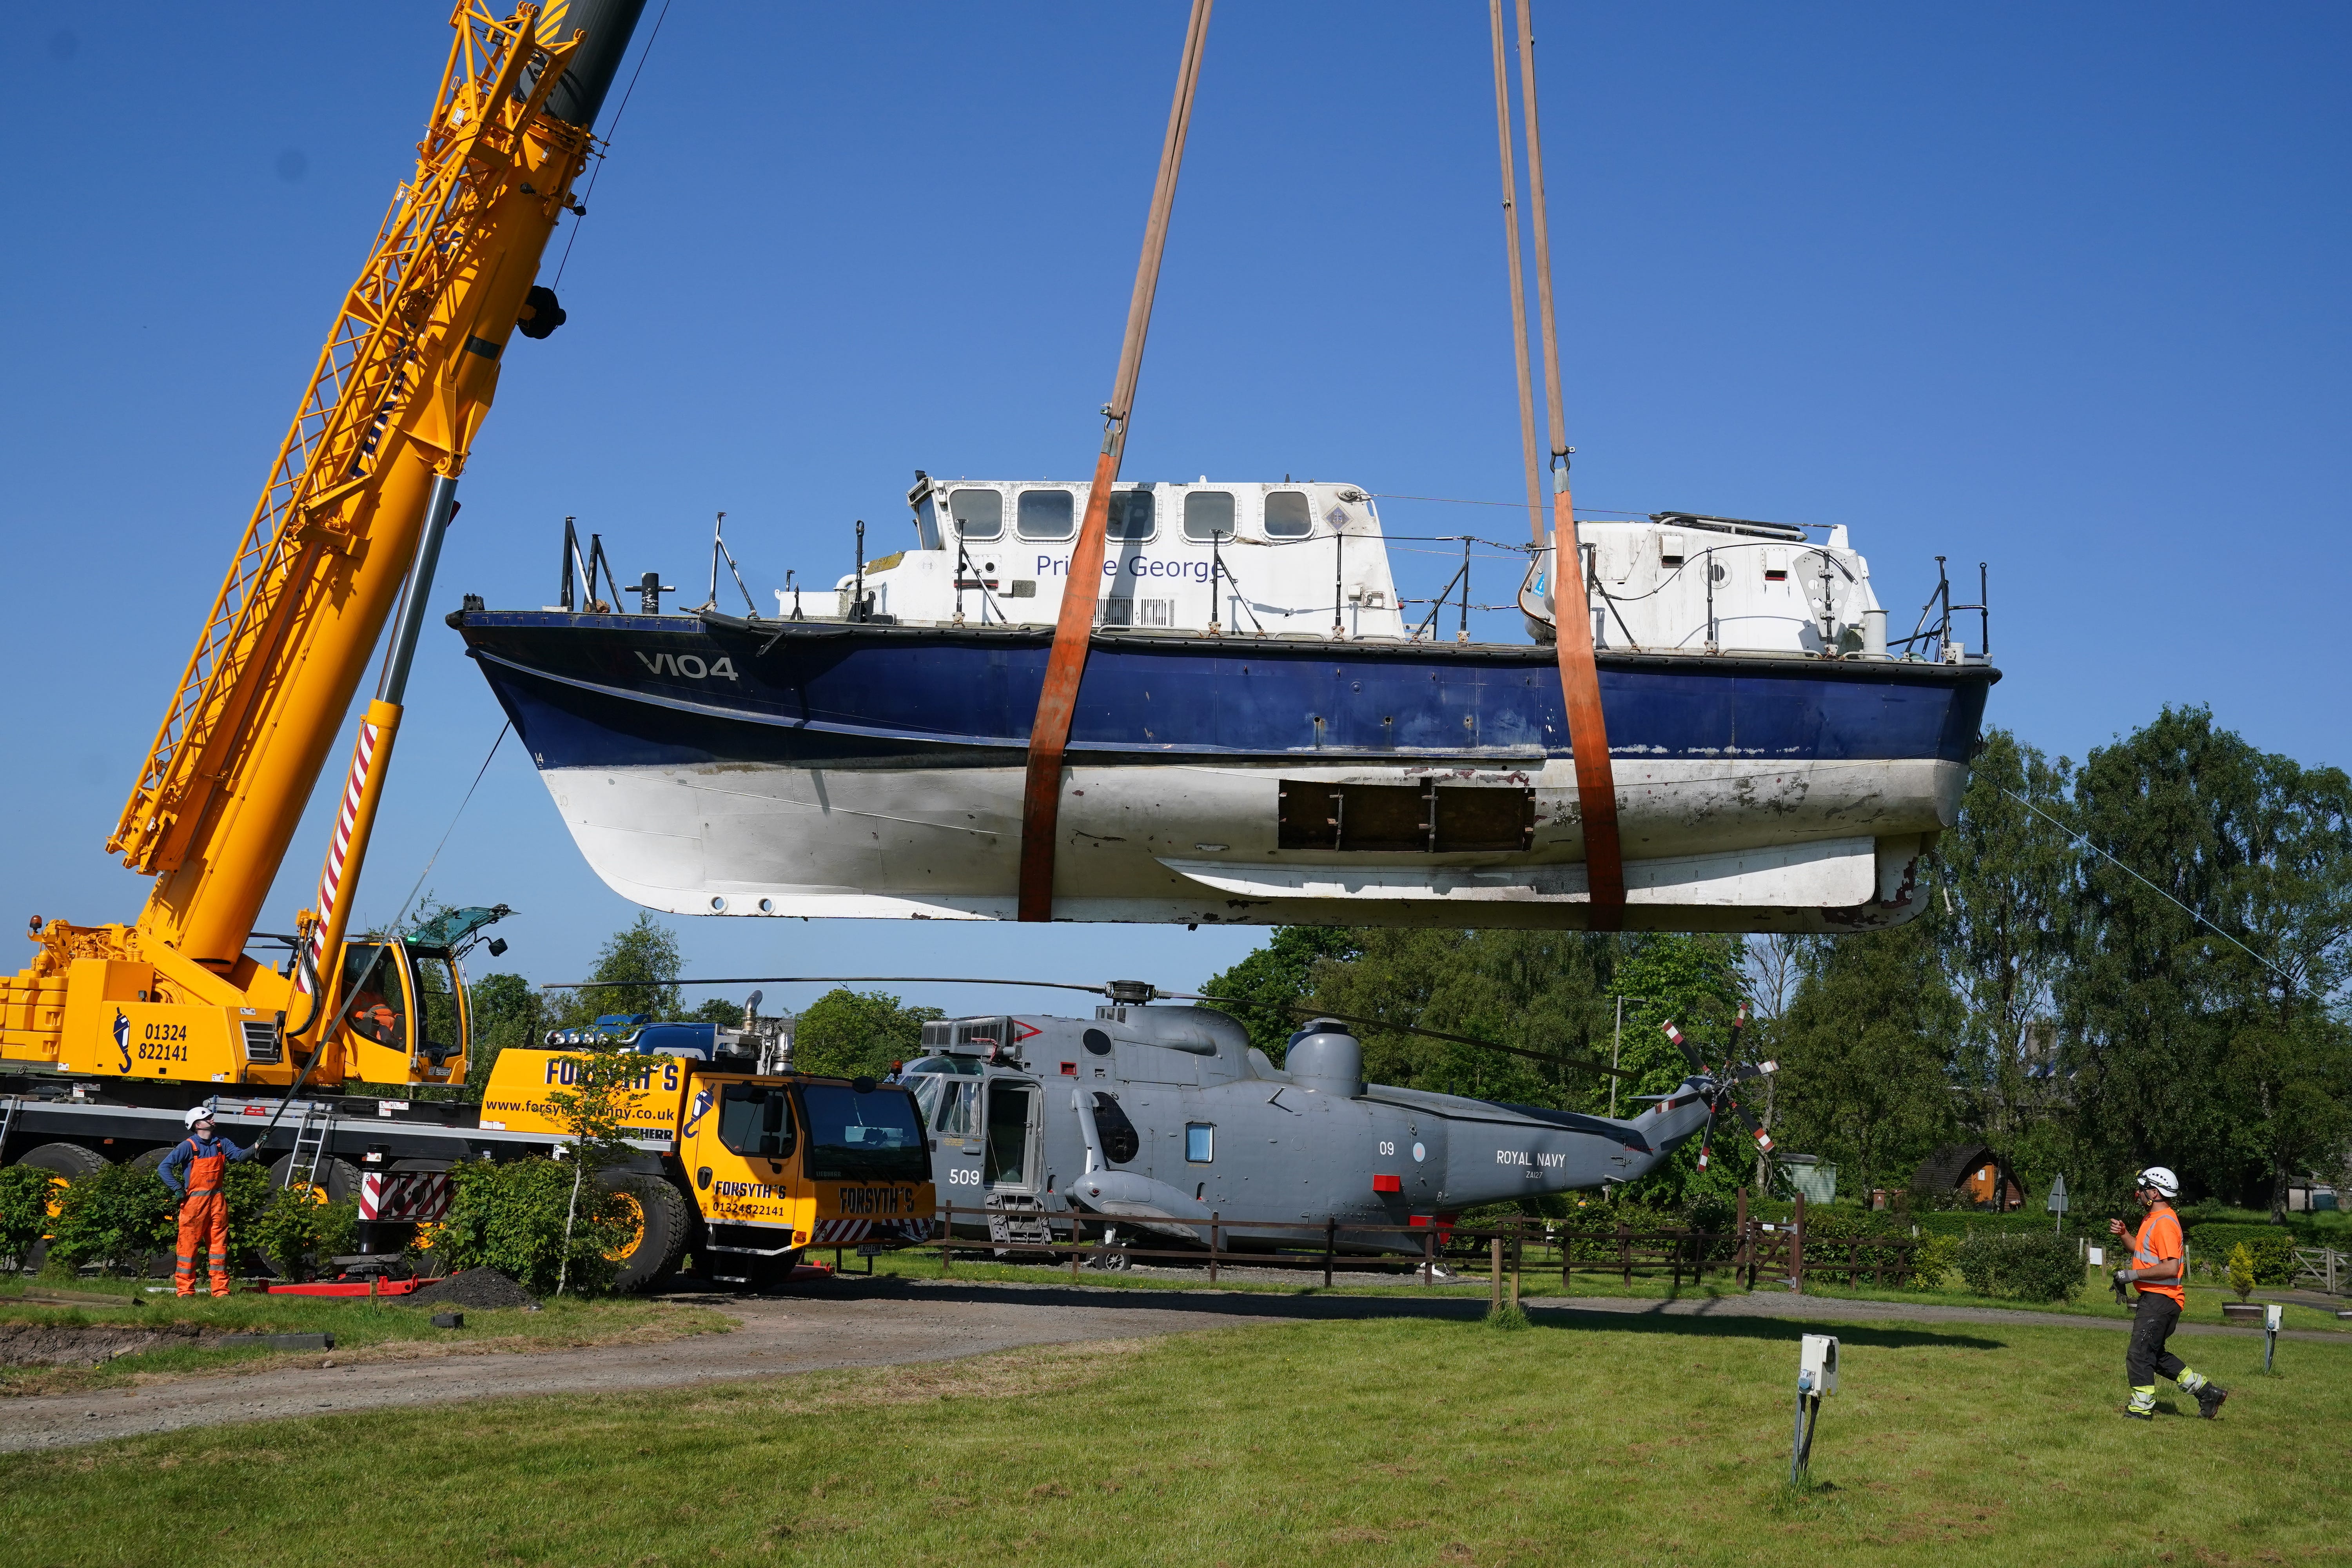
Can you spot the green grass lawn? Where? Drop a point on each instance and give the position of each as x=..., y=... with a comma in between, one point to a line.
x=1390, y=1441
x=1543, y=1283
x=360, y=1328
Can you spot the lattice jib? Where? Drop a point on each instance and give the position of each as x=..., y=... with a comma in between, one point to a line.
x=364, y=372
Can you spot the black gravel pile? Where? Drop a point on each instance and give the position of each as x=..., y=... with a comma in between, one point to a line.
x=484, y=1289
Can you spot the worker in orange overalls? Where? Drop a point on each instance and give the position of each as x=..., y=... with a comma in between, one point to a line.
x=2157, y=1270
x=198, y=1170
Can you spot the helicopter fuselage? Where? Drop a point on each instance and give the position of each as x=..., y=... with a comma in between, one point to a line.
x=1166, y=1116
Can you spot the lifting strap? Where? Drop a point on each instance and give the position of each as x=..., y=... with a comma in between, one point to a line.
x=1041, y=804
x=1580, y=674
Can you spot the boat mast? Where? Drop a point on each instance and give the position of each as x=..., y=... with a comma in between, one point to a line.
x=1041, y=807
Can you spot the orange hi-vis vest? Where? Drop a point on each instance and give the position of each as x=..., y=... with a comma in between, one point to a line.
x=2160, y=1241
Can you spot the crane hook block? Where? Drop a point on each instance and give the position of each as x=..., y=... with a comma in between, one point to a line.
x=541, y=312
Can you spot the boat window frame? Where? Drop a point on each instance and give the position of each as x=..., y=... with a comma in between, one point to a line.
x=1307, y=501
x=1114, y=531
x=1021, y=510
x=1232, y=513
x=955, y=515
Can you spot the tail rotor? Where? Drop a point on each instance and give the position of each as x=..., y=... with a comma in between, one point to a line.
x=1719, y=1099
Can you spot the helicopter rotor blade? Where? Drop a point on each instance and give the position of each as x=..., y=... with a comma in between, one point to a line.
x=834, y=980
x=1304, y=1011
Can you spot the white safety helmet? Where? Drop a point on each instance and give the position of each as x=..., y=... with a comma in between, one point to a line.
x=2160, y=1180
x=197, y=1113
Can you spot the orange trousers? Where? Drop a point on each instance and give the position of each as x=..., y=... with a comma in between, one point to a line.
x=204, y=1220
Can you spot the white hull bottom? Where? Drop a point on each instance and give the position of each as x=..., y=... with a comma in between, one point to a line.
x=1729, y=845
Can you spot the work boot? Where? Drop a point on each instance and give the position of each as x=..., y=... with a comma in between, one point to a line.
x=2209, y=1395
x=2132, y=1412
x=2143, y=1403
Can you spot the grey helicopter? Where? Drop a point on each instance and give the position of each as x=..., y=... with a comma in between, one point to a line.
x=1157, y=1120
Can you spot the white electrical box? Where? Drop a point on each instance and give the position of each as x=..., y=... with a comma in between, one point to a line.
x=2272, y=1314
x=1817, y=1361
x=2098, y=1256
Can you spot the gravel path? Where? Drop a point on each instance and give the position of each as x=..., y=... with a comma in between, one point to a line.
x=888, y=1322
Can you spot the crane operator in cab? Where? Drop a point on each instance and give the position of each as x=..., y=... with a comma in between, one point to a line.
x=2156, y=1270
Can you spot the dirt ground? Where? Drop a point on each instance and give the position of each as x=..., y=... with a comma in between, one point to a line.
x=840, y=1324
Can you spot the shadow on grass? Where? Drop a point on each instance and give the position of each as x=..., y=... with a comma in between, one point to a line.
x=1744, y=1323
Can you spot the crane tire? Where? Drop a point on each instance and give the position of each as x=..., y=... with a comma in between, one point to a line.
x=69, y=1161
x=659, y=1238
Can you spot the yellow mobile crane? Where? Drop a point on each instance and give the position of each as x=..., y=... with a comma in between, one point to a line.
x=348, y=529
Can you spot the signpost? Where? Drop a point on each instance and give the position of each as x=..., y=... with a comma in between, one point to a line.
x=2057, y=1204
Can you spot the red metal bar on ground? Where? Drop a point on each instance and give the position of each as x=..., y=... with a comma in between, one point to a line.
x=1041, y=804
x=1580, y=675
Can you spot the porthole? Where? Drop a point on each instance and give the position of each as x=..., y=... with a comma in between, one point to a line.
x=767, y=906
x=717, y=906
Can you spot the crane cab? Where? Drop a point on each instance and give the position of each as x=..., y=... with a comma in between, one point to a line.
x=403, y=1007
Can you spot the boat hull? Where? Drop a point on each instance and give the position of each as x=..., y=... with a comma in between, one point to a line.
x=710, y=767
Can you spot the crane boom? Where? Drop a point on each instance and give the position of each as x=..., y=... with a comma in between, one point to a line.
x=384, y=429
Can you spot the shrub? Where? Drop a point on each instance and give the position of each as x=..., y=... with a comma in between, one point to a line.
x=116, y=1218
x=2241, y=1270
x=2036, y=1267
x=24, y=1210
x=2269, y=1247
x=297, y=1231
x=1933, y=1260
x=509, y=1216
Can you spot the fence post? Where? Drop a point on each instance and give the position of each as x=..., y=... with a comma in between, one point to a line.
x=1429, y=1253
x=1331, y=1245
x=1625, y=1253
x=1078, y=1239
x=1567, y=1257
x=1518, y=1246
x=1743, y=1249
x=1495, y=1272
x=947, y=1238
x=1212, y=1246
x=1797, y=1248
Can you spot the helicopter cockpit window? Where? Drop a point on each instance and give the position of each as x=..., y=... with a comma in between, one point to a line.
x=372, y=994
x=1121, y=1142
x=1200, y=1142
x=757, y=1120
x=947, y=1103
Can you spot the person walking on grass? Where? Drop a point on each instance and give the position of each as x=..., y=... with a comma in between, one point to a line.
x=2157, y=1270
x=198, y=1172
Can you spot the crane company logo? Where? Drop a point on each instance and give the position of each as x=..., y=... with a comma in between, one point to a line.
x=877, y=1200
x=122, y=1038
x=701, y=1108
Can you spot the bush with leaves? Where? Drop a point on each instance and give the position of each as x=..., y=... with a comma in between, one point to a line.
x=1933, y=1259
x=2020, y=1267
x=299, y=1231
x=510, y=1216
x=123, y=1217
x=25, y=1196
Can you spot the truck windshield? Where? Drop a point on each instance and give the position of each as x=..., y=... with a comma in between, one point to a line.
x=873, y=1136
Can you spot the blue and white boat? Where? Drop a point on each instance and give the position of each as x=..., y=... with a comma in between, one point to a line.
x=1260, y=737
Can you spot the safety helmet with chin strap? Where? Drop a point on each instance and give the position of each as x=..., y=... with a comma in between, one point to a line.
x=197, y=1113
x=2160, y=1180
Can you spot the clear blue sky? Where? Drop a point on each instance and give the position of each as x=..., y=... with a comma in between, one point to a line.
x=2060, y=288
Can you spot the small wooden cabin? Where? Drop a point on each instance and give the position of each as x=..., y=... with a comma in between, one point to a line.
x=1974, y=1172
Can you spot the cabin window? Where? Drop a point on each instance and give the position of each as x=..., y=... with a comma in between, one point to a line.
x=1287, y=515
x=1007, y=1156
x=1045, y=514
x=979, y=514
x=1209, y=514
x=1131, y=514
x=870, y=1136
x=756, y=1120
x=1200, y=1142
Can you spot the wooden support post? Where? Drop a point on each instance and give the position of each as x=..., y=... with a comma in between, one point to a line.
x=1213, y=1245
x=1797, y=1248
x=1078, y=1237
x=1743, y=1246
x=1330, y=1246
x=1518, y=1245
x=947, y=1238
x=1428, y=1255
x=1625, y=1253
x=1495, y=1272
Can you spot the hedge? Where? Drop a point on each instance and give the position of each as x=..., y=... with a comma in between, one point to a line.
x=2272, y=1248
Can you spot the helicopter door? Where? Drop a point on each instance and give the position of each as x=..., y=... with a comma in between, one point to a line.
x=1014, y=1130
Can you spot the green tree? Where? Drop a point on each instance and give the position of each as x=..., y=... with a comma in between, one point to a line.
x=635, y=972
x=506, y=1011
x=26, y=1191
x=1697, y=982
x=1863, y=1050
x=1261, y=991
x=718, y=1010
x=1999, y=919
x=593, y=1106
x=852, y=1034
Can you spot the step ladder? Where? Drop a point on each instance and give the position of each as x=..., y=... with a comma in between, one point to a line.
x=9, y=1119
x=1017, y=1219
x=309, y=1145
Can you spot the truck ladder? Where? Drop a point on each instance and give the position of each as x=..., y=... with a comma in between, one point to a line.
x=310, y=1143
x=9, y=1119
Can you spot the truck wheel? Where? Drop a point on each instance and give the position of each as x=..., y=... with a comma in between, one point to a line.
x=657, y=1232
x=339, y=1176
x=69, y=1161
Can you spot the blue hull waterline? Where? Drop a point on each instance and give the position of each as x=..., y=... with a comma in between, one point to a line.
x=709, y=765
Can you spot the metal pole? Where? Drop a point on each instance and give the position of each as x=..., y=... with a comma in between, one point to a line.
x=1616, y=1046
x=1797, y=1444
